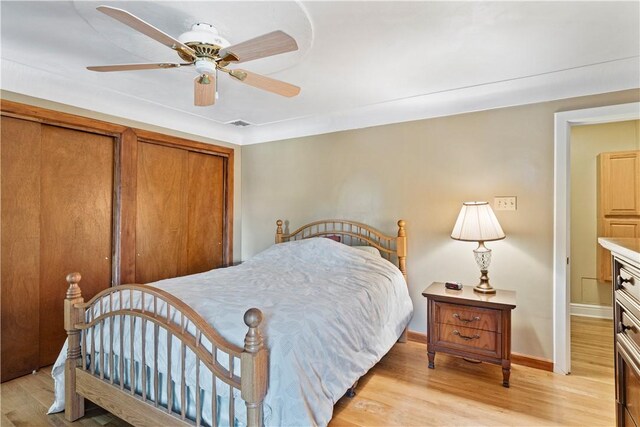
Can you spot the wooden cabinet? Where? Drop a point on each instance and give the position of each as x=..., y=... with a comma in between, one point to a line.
x=57, y=210
x=117, y=204
x=618, y=202
x=612, y=227
x=620, y=183
x=471, y=325
x=626, y=273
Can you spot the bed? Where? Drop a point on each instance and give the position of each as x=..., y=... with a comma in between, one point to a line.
x=177, y=352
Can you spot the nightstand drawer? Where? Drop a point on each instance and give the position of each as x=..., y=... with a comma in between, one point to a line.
x=467, y=316
x=469, y=339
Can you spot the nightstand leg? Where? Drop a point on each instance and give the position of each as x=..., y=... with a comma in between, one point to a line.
x=506, y=372
x=432, y=359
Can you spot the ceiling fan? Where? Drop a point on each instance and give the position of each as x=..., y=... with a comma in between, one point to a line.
x=205, y=49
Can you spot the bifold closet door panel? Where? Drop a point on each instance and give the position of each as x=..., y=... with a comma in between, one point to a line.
x=206, y=213
x=180, y=211
x=161, y=212
x=20, y=247
x=76, y=224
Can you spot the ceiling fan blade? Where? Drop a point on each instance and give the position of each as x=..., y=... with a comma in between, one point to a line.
x=130, y=67
x=265, y=83
x=146, y=29
x=204, y=90
x=270, y=44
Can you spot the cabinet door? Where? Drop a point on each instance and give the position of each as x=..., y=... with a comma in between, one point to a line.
x=20, y=263
x=76, y=224
x=631, y=389
x=614, y=228
x=620, y=183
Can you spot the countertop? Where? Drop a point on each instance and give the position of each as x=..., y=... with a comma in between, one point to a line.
x=628, y=248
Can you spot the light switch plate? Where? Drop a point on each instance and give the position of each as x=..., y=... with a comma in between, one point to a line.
x=505, y=203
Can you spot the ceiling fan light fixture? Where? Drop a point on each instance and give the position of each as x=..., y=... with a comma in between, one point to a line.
x=203, y=33
x=204, y=66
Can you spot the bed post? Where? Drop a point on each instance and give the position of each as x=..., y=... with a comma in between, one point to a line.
x=401, y=248
x=279, y=231
x=254, y=368
x=74, y=403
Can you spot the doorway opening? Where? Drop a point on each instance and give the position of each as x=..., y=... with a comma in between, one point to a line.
x=564, y=121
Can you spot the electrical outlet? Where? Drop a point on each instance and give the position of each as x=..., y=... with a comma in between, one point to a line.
x=505, y=203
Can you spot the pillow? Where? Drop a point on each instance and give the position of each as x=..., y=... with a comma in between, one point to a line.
x=334, y=238
x=369, y=249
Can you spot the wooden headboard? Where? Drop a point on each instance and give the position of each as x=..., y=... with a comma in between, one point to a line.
x=393, y=248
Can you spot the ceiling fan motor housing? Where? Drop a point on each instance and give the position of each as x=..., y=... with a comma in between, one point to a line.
x=203, y=33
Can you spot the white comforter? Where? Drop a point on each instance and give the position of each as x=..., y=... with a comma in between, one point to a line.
x=330, y=313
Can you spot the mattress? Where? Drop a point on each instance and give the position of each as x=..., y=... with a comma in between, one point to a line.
x=331, y=312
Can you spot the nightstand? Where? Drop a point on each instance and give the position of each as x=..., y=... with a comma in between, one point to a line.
x=471, y=325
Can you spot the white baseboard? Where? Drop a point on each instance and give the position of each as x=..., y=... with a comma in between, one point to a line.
x=588, y=310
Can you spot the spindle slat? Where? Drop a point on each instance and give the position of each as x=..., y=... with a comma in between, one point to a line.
x=156, y=374
x=183, y=382
x=169, y=388
x=84, y=349
x=143, y=365
x=92, y=356
x=214, y=393
x=111, y=352
x=121, y=358
x=102, y=350
x=132, y=364
x=198, y=403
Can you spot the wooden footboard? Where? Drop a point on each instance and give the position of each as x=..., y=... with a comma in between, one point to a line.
x=110, y=335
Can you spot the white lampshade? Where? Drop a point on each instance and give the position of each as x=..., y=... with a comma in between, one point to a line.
x=477, y=223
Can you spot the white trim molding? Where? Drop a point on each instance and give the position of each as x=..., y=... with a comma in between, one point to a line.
x=562, y=145
x=590, y=310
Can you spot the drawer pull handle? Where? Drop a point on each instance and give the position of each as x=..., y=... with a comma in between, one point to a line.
x=464, y=337
x=622, y=327
x=457, y=316
x=621, y=281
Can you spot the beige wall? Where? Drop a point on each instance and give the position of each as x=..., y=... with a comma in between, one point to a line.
x=422, y=171
x=586, y=143
x=237, y=217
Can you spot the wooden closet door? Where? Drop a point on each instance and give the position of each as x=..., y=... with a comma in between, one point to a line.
x=180, y=212
x=205, y=245
x=20, y=256
x=161, y=238
x=76, y=224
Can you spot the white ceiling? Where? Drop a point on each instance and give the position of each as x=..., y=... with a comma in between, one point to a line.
x=360, y=63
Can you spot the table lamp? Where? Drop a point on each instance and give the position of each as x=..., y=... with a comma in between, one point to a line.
x=477, y=223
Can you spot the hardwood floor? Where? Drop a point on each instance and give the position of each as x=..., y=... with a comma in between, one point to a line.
x=402, y=391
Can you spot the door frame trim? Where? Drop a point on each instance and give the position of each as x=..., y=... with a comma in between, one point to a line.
x=563, y=121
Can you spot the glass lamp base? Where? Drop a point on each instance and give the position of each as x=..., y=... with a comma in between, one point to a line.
x=483, y=258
